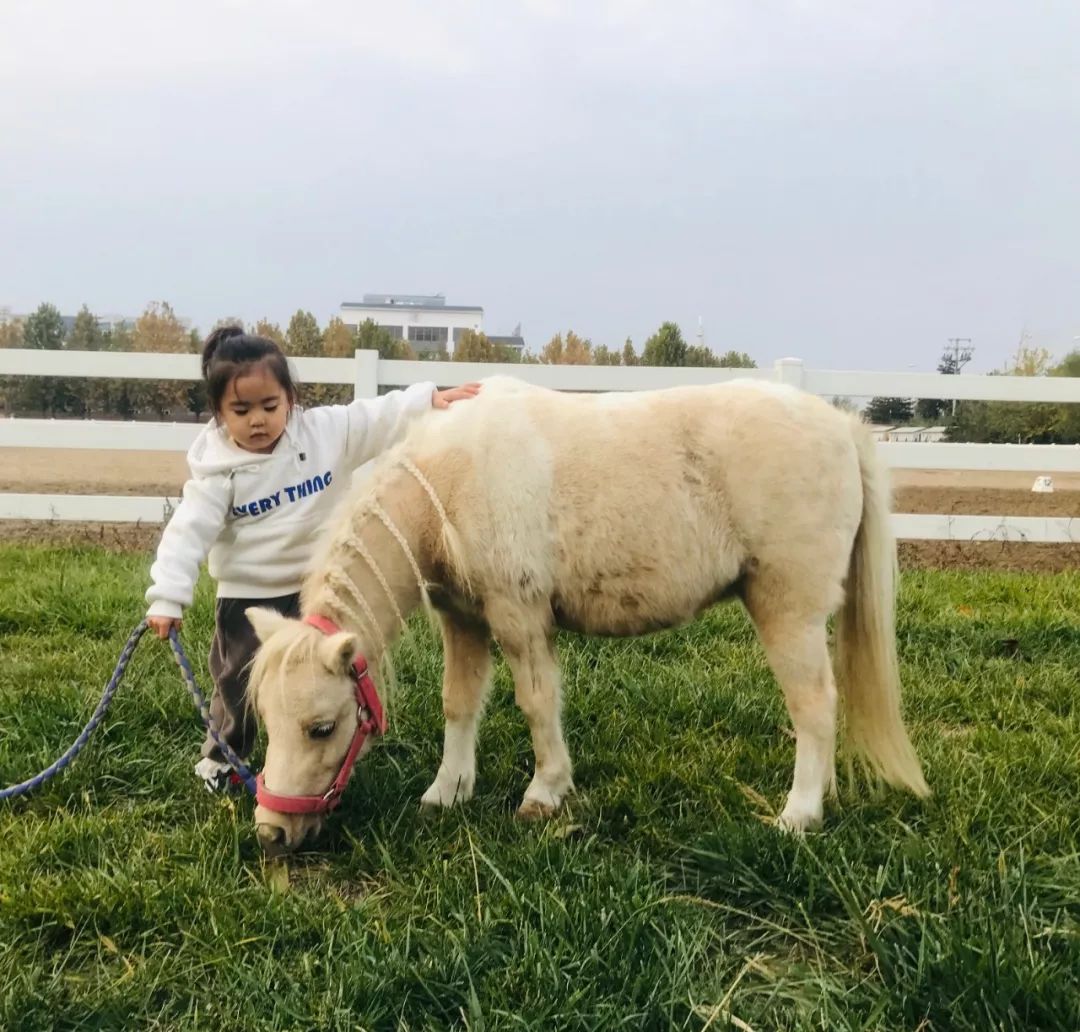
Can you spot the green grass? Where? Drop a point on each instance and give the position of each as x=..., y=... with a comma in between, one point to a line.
x=660, y=898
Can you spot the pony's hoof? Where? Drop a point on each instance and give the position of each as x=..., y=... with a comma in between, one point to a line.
x=440, y=797
x=533, y=810
x=798, y=823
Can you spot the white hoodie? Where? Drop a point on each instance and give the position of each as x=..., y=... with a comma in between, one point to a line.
x=258, y=516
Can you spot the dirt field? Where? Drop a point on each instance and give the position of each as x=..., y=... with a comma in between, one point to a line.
x=75, y=471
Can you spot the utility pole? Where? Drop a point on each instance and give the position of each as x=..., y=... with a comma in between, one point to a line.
x=960, y=352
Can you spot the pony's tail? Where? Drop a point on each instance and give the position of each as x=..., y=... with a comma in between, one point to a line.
x=866, y=665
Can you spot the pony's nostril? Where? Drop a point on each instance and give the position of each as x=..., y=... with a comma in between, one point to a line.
x=271, y=837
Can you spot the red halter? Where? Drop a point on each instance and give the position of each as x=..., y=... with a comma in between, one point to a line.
x=370, y=720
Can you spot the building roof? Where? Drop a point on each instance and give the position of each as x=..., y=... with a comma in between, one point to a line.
x=430, y=304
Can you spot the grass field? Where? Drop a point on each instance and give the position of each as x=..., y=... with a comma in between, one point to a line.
x=660, y=898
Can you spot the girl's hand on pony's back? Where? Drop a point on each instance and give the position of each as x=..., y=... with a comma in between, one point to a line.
x=161, y=625
x=444, y=399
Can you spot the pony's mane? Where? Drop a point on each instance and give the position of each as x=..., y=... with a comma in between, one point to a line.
x=363, y=503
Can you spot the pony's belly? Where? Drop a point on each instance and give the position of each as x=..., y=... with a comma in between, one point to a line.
x=629, y=612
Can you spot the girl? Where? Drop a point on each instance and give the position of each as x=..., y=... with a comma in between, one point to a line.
x=264, y=475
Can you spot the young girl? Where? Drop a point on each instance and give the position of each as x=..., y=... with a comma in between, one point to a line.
x=264, y=475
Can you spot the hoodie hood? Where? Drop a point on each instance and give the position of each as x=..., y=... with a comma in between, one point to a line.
x=214, y=454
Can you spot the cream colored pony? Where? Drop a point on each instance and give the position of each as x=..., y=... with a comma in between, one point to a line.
x=528, y=510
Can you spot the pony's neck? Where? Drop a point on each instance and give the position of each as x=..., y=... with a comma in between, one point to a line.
x=369, y=580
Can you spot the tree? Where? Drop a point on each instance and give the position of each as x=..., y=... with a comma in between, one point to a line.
x=11, y=333
x=86, y=333
x=119, y=397
x=552, y=352
x=1068, y=424
x=42, y=331
x=666, y=347
x=11, y=336
x=700, y=357
x=195, y=395
x=370, y=336
x=737, y=360
x=602, y=355
x=474, y=346
x=889, y=411
x=629, y=355
x=339, y=340
x=934, y=409
x=577, y=350
x=303, y=339
x=270, y=330
x=158, y=331
x=997, y=422
x=844, y=404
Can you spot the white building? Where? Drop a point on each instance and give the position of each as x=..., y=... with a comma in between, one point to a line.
x=427, y=322
x=910, y=434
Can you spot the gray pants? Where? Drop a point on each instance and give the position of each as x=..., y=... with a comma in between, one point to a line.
x=231, y=653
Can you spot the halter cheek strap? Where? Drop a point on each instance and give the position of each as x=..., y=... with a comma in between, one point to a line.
x=370, y=720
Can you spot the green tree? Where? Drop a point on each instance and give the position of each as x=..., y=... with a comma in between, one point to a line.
x=699, y=356
x=737, y=360
x=370, y=336
x=890, y=411
x=666, y=347
x=629, y=355
x=81, y=395
x=86, y=333
x=997, y=422
x=120, y=395
x=603, y=355
x=934, y=409
x=42, y=331
x=303, y=338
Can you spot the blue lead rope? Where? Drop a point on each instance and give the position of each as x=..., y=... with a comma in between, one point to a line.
x=14, y=791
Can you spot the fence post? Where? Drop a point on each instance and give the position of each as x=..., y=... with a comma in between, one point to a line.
x=789, y=371
x=366, y=383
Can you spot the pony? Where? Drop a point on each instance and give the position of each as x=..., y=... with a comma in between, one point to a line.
x=530, y=510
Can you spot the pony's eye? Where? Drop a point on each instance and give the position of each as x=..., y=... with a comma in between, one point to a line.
x=321, y=730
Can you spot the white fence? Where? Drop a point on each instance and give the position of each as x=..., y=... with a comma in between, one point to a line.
x=367, y=372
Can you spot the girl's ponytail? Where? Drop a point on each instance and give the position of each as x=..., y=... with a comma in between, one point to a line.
x=213, y=342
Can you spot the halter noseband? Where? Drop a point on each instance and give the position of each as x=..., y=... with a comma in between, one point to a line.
x=370, y=720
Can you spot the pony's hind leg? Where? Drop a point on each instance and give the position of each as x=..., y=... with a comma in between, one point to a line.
x=466, y=678
x=798, y=653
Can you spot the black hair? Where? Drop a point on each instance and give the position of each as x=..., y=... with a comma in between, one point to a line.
x=229, y=352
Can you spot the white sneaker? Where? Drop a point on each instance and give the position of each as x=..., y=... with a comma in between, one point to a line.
x=216, y=775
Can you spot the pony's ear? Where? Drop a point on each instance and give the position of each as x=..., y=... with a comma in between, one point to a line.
x=265, y=621
x=338, y=651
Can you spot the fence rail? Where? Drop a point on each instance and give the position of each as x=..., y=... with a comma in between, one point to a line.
x=367, y=373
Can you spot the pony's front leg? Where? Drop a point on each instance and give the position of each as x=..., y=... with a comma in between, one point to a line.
x=537, y=690
x=466, y=677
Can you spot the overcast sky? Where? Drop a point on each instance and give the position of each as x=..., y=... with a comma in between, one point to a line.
x=848, y=182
